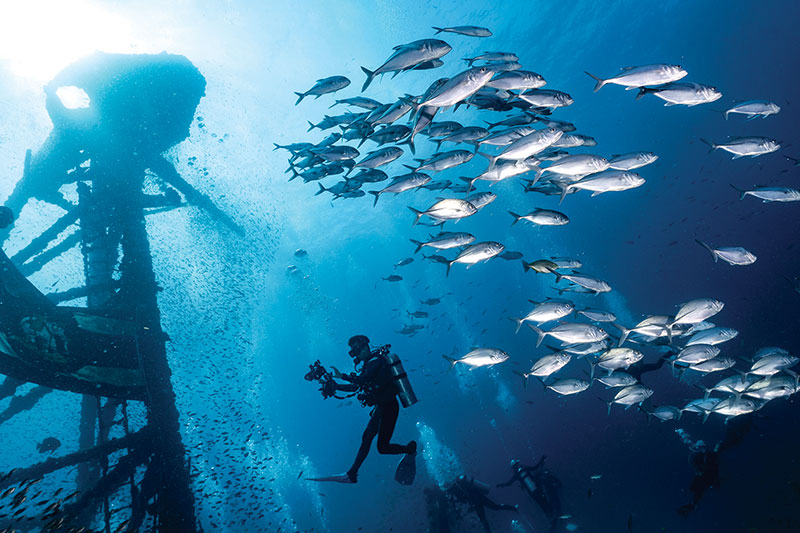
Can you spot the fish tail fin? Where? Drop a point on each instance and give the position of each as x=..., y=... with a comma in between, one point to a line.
x=418, y=213
x=592, y=366
x=526, y=266
x=711, y=146
x=490, y=125
x=524, y=378
x=449, y=264
x=276, y=146
x=625, y=333
x=707, y=247
x=418, y=243
x=469, y=61
x=492, y=158
x=516, y=219
x=438, y=30
x=600, y=81
x=410, y=143
x=295, y=173
x=539, y=332
x=300, y=97
x=311, y=126
x=370, y=76
x=742, y=192
x=451, y=361
x=518, y=322
x=376, y=194
x=643, y=91
x=321, y=190
x=609, y=404
x=564, y=190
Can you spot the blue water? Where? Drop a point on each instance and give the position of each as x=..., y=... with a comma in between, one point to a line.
x=244, y=328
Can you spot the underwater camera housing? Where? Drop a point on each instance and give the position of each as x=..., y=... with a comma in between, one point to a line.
x=317, y=372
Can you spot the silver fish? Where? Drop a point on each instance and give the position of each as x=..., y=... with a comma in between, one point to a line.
x=566, y=387
x=697, y=310
x=616, y=380
x=630, y=395
x=380, y=157
x=526, y=146
x=406, y=56
x=617, y=358
x=771, y=194
x=571, y=333
x=578, y=165
x=458, y=88
x=632, y=160
x=481, y=199
x=443, y=160
x=598, y=315
x=746, y=146
x=542, y=217
x=470, y=31
x=482, y=251
x=754, y=108
x=688, y=94
x=712, y=336
x=608, y=181
x=733, y=255
x=635, y=77
x=324, y=86
x=480, y=357
x=594, y=285
x=545, y=312
x=546, y=98
x=445, y=241
x=517, y=80
x=414, y=180
x=547, y=365
x=447, y=209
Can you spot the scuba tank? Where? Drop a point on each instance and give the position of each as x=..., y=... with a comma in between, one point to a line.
x=480, y=486
x=526, y=479
x=399, y=377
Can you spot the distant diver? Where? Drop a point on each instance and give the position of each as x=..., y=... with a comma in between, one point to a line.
x=468, y=490
x=541, y=485
x=379, y=383
x=706, y=461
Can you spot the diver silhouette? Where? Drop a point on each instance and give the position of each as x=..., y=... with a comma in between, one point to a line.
x=475, y=494
x=706, y=461
x=378, y=383
x=377, y=387
x=541, y=485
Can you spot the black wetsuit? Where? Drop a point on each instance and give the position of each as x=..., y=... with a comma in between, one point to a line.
x=463, y=490
x=643, y=368
x=545, y=492
x=706, y=463
x=376, y=383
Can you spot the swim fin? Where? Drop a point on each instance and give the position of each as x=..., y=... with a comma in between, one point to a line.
x=406, y=469
x=340, y=478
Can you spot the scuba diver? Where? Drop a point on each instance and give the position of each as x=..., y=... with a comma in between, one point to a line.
x=475, y=494
x=378, y=383
x=541, y=485
x=638, y=369
x=706, y=461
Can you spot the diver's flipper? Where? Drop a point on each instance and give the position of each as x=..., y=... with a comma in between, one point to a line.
x=406, y=469
x=340, y=478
